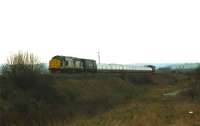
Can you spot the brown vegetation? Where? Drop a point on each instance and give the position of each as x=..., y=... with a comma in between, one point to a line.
x=28, y=97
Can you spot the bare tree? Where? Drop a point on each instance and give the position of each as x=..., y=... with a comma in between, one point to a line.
x=22, y=68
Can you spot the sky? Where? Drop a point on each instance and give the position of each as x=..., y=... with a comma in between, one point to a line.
x=123, y=31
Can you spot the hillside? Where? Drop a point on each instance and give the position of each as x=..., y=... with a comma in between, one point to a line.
x=99, y=100
x=153, y=107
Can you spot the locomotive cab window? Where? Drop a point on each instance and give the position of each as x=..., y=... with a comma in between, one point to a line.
x=66, y=63
x=61, y=64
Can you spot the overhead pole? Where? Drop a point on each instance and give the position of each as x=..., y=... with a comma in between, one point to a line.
x=98, y=57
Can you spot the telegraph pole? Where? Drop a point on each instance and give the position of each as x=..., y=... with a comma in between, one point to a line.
x=98, y=57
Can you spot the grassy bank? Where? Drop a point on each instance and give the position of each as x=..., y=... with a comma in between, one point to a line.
x=101, y=100
x=154, y=108
x=59, y=99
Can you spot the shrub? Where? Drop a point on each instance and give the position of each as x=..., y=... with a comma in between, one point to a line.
x=23, y=69
x=138, y=78
x=198, y=69
x=194, y=91
x=25, y=94
x=196, y=73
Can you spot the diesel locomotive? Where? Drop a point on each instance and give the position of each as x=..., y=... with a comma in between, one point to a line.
x=71, y=64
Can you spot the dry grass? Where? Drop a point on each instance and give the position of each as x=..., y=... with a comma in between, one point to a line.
x=101, y=100
x=153, y=109
x=172, y=113
x=59, y=100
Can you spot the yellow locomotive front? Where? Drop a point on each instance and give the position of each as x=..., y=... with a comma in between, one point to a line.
x=54, y=65
x=71, y=64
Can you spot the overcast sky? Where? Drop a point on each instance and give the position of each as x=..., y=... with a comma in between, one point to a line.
x=124, y=31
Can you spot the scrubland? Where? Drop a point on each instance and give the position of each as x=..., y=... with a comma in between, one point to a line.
x=152, y=107
x=101, y=100
x=28, y=97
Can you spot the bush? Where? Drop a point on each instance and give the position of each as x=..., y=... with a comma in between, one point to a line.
x=26, y=95
x=23, y=69
x=194, y=89
x=196, y=73
x=138, y=78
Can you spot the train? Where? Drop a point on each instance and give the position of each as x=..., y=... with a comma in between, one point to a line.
x=68, y=64
x=71, y=64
